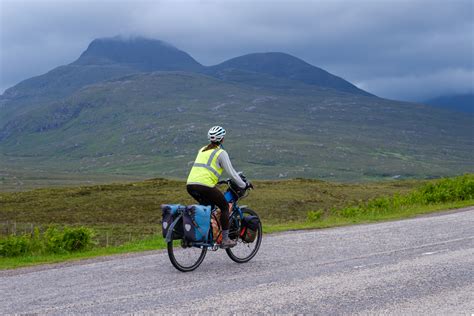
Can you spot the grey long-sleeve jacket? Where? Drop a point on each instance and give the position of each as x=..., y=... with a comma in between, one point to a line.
x=223, y=161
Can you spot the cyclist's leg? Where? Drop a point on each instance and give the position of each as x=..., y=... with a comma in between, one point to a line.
x=202, y=194
x=195, y=191
x=219, y=200
x=211, y=196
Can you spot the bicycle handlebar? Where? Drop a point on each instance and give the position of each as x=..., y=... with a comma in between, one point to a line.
x=228, y=181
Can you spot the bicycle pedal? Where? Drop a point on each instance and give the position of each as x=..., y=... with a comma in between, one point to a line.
x=213, y=248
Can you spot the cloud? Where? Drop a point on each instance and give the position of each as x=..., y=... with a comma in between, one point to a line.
x=371, y=43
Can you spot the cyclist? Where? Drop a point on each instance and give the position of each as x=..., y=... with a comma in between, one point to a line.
x=210, y=161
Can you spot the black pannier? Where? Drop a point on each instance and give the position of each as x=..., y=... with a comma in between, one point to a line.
x=169, y=214
x=248, y=231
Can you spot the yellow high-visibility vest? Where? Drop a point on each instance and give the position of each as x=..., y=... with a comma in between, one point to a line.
x=205, y=170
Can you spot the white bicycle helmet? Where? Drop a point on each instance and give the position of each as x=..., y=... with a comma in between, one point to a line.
x=216, y=134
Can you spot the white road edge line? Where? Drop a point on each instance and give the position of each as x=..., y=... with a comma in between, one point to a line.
x=433, y=252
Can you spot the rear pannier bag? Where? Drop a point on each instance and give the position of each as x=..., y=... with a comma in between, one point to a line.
x=197, y=222
x=169, y=214
x=249, y=229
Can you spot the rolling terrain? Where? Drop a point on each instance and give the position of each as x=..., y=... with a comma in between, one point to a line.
x=140, y=108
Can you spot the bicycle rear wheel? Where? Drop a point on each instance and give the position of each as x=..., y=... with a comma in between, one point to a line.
x=184, y=256
x=244, y=251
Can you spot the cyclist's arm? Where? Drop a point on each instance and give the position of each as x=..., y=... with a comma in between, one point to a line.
x=224, y=162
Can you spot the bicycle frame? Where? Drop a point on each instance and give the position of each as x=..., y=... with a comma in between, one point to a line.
x=232, y=198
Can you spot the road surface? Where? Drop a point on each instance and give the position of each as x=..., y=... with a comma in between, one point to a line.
x=423, y=266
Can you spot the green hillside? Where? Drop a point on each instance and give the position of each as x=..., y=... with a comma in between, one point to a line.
x=152, y=124
x=110, y=114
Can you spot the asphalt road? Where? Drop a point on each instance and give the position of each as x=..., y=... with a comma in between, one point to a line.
x=422, y=266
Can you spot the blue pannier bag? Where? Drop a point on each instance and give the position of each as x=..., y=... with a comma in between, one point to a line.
x=169, y=214
x=197, y=222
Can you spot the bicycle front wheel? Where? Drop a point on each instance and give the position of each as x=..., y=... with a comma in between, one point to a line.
x=184, y=256
x=244, y=251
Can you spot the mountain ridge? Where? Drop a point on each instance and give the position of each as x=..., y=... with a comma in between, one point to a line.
x=101, y=114
x=282, y=65
x=139, y=54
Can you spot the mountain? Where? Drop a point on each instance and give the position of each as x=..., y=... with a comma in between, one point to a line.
x=104, y=59
x=285, y=66
x=460, y=102
x=138, y=53
x=109, y=58
x=139, y=122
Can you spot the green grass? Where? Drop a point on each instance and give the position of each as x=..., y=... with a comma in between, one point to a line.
x=151, y=243
x=157, y=242
x=52, y=241
x=125, y=212
x=126, y=216
x=335, y=221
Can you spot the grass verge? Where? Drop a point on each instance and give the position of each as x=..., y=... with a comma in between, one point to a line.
x=335, y=221
x=157, y=242
x=151, y=243
x=449, y=193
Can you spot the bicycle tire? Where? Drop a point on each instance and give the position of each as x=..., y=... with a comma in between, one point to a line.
x=231, y=252
x=180, y=265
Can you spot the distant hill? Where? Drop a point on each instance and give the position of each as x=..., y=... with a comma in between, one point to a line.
x=285, y=66
x=460, y=102
x=121, y=113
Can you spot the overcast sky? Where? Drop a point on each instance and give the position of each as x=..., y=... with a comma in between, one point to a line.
x=407, y=50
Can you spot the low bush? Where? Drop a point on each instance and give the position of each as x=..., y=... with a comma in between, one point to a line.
x=75, y=239
x=349, y=212
x=314, y=216
x=441, y=191
x=448, y=190
x=53, y=240
x=13, y=246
